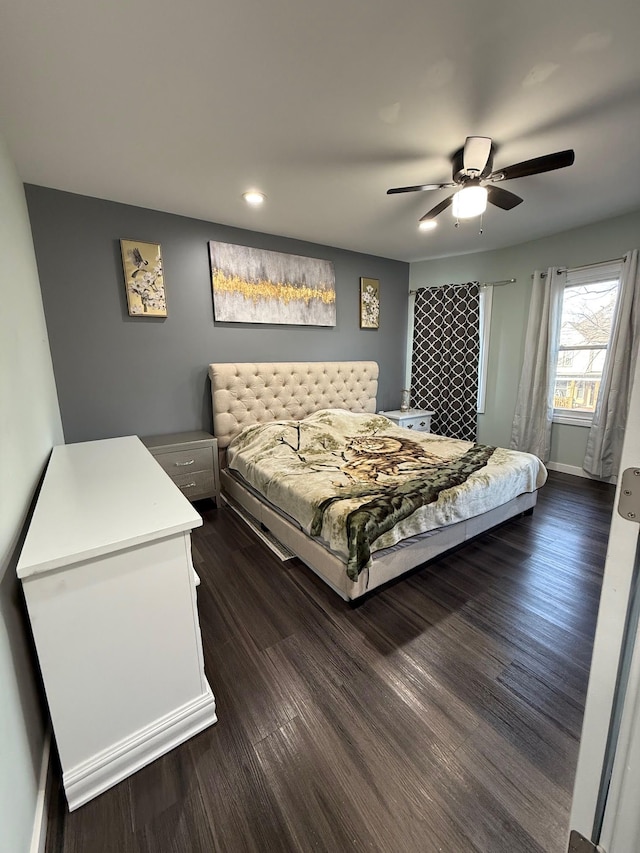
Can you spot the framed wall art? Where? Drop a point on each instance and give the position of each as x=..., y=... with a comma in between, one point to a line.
x=259, y=286
x=369, y=303
x=144, y=278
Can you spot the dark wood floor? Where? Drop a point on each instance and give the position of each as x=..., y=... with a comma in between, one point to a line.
x=442, y=714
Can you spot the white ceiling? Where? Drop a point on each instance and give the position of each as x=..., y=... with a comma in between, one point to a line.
x=181, y=106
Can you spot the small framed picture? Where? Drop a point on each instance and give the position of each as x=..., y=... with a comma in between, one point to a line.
x=144, y=278
x=369, y=303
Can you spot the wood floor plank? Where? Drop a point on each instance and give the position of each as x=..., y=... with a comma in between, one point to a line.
x=345, y=804
x=102, y=825
x=180, y=823
x=239, y=800
x=247, y=690
x=531, y=798
x=564, y=711
x=477, y=808
x=311, y=790
x=441, y=715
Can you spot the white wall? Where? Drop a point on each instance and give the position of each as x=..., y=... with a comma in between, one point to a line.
x=29, y=426
x=601, y=241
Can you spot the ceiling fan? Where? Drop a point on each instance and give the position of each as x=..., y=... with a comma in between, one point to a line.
x=473, y=177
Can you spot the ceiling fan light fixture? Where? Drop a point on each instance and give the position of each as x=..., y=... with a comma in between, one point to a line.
x=470, y=202
x=253, y=197
x=427, y=225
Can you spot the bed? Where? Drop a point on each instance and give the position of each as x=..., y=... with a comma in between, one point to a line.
x=358, y=499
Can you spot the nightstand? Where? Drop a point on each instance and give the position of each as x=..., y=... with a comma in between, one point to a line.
x=417, y=419
x=191, y=460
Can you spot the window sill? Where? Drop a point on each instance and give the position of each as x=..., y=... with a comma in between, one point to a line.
x=576, y=420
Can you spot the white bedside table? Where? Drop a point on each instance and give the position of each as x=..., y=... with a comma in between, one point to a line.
x=417, y=419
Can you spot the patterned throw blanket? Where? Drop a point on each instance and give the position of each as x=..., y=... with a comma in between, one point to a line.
x=359, y=483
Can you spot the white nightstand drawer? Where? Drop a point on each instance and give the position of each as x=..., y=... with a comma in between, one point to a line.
x=415, y=419
x=420, y=423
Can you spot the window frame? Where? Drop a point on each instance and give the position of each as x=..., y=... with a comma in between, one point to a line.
x=592, y=274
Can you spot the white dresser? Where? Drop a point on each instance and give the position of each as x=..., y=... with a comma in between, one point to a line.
x=111, y=594
x=417, y=419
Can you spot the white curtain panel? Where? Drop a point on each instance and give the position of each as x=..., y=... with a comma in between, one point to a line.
x=604, y=445
x=531, y=431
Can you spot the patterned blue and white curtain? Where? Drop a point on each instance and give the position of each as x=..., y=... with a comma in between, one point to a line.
x=444, y=366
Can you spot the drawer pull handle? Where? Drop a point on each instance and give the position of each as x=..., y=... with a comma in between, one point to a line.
x=188, y=486
x=423, y=423
x=184, y=464
x=409, y=426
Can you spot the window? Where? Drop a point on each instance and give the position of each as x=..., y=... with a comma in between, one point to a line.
x=588, y=304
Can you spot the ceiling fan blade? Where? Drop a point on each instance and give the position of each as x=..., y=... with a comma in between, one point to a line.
x=503, y=198
x=419, y=188
x=437, y=209
x=476, y=153
x=548, y=163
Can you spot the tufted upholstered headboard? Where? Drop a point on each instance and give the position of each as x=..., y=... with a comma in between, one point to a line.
x=251, y=393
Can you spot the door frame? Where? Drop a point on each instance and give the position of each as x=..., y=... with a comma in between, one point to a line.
x=610, y=741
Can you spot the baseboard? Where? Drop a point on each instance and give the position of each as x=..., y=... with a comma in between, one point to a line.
x=39, y=835
x=578, y=472
x=85, y=781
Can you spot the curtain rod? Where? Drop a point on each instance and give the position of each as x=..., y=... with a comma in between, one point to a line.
x=587, y=266
x=480, y=284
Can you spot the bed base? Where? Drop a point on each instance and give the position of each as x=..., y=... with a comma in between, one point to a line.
x=385, y=567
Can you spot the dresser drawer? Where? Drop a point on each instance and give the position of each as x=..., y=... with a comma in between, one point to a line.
x=195, y=484
x=183, y=461
x=191, y=460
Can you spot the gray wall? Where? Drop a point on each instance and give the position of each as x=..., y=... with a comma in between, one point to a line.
x=29, y=427
x=599, y=242
x=118, y=375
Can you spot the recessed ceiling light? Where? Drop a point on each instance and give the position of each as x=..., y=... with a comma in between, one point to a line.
x=254, y=197
x=427, y=225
